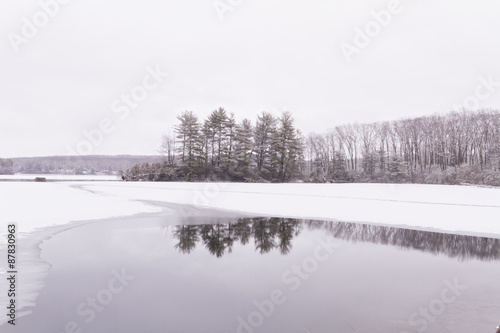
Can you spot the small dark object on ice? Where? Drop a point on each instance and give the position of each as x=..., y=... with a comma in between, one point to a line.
x=40, y=179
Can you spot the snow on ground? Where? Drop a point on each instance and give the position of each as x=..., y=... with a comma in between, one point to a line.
x=33, y=205
x=456, y=209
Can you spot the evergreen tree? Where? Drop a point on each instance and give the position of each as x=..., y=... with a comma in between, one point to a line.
x=396, y=169
x=370, y=159
x=339, y=167
x=216, y=129
x=228, y=158
x=243, y=149
x=190, y=145
x=264, y=133
x=286, y=149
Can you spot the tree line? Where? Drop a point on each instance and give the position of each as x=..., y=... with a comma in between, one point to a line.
x=452, y=148
x=79, y=165
x=6, y=167
x=458, y=147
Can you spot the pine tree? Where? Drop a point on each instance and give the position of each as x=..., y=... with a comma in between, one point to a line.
x=286, y=149
x=216, y=129
x=396, y=169
x=370, y=159
x=264, y=133
x=190, y=148
x=243, y=149
x=339, y=167
x=228, y=159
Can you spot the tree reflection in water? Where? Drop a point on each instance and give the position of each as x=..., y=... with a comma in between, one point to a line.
x=267, y=234
x=454, y=246
x=277, y=233
x=187, y=236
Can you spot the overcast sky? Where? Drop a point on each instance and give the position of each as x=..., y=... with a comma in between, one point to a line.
x=66, y=73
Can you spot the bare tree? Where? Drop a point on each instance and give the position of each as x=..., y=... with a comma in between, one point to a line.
x=168, y=148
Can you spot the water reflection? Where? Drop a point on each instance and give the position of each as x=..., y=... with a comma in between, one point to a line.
x=454, y=246
x=269, y=234
x=266, y=233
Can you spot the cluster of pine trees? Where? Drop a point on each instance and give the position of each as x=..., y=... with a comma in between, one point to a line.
x=219, y=148
x=459, y=147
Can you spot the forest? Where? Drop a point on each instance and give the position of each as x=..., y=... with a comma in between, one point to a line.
x=454, y=148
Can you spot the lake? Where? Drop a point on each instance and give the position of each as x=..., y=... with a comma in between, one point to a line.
x=208, y=271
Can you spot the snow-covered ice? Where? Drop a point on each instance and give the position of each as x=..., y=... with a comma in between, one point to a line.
x=456, y=209
x=35, y=205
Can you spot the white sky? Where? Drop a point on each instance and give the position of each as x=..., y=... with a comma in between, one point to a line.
x=265, y=55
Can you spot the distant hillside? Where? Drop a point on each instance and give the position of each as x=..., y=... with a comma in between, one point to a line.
x=80, y=165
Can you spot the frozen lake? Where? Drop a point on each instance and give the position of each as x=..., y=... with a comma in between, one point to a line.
x=102, y=256
x=206, y=271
